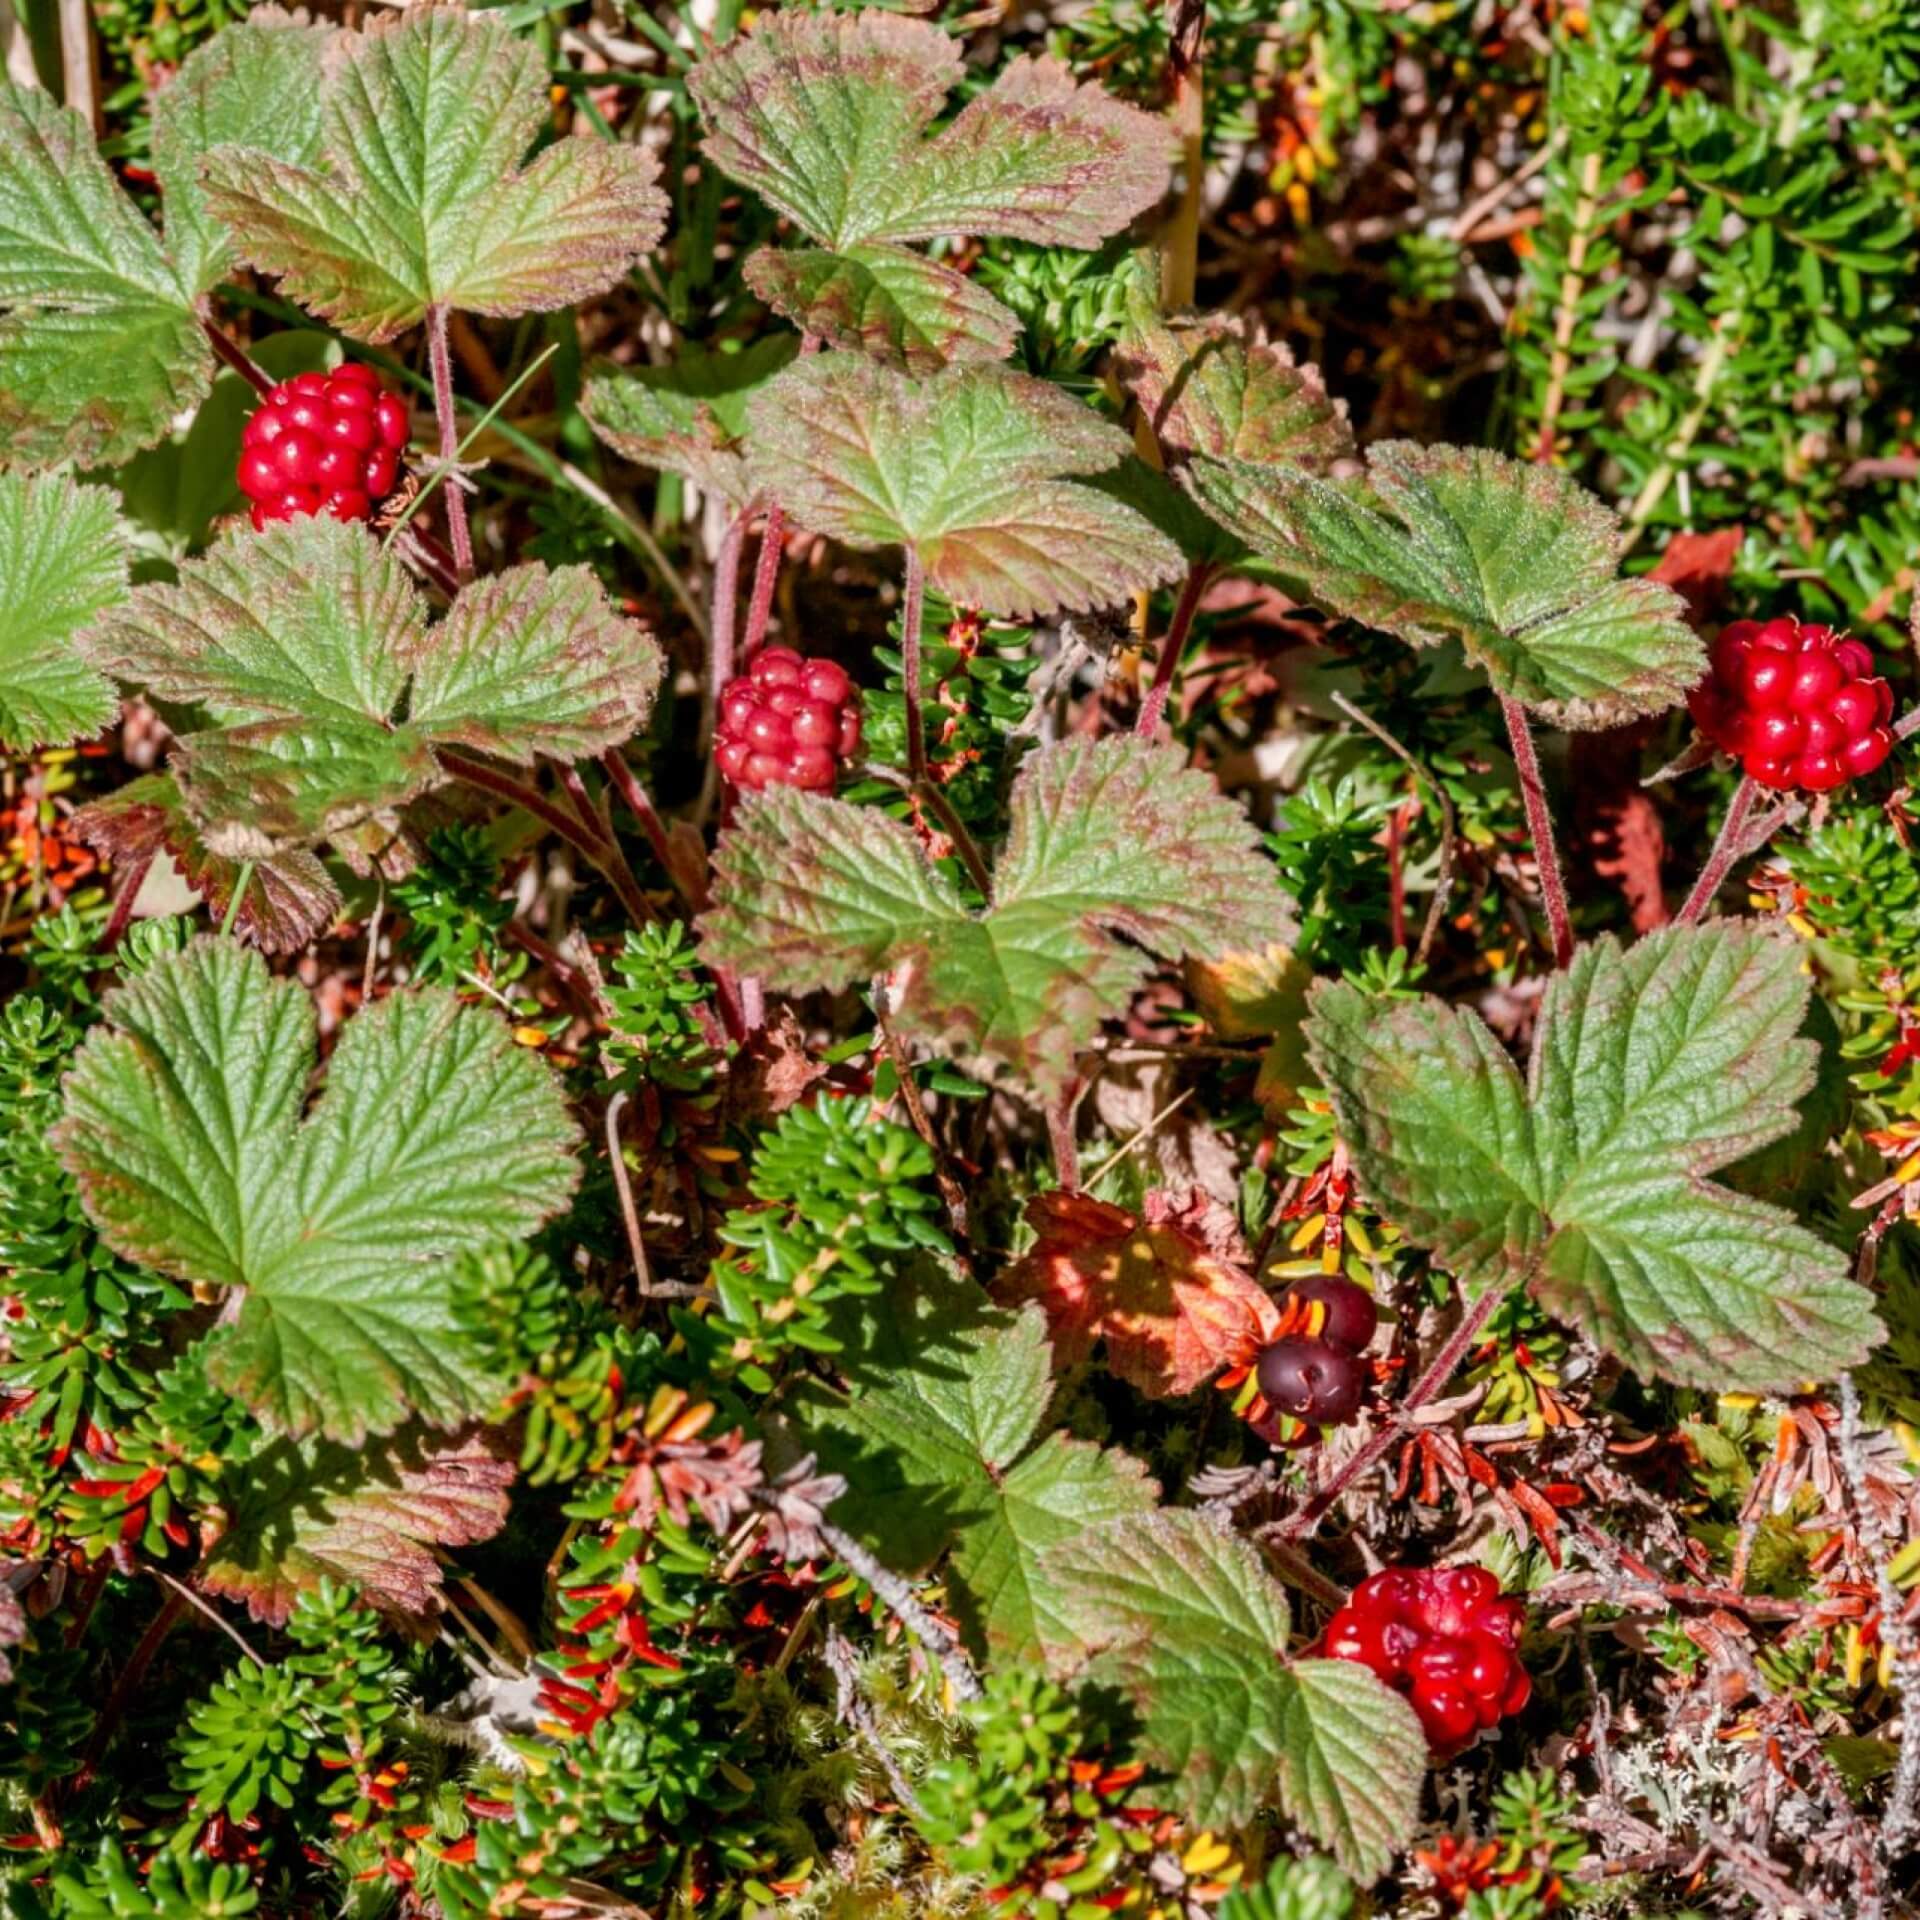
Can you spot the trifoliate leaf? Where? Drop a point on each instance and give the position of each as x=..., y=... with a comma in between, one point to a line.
x=1117, y=852
x=254, y=84
x=895, y=305
x=1170, y=1313
x=942, y=1456
x=1653, y=1067
x=825, y=118
x=1516, y=562
x=1212, y=386
x=1187, y=1622
x=290, y=898
x=305, y=643
x=965, y=467
x=426, y=117
x=99, y=344
x=689, y=417
x=63, y=559
x=434, y=1135
x=303, y=1511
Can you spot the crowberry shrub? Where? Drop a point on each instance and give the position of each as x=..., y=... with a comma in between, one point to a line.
x=1797, y=706
x=788, y=722
x=1445, y=1638
x=323, y=443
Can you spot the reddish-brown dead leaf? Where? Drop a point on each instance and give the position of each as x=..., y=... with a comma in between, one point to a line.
x=1171, y=1314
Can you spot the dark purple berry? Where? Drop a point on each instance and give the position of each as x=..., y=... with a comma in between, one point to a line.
x=1312, y=1380
x=1351, y=1315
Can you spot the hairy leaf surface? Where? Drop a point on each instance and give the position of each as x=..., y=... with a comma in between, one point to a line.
x=1653, y=1067
x=966, y=467
x=1109, y=838
x=305, y=644
x=254, y=84
x=426, y=118
x=310, y=1510
x=63, y=559
x=1516, y=562
x=943, y=1456
x=185, y=1128
x=99, y=344
x=1188, y=1623
x=689, y=417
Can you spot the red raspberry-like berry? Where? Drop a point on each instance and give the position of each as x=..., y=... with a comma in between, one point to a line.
x=1443, y=1637
x=1317, y=1380
x=1798, y=707
x=323, y=443
x=788, y=722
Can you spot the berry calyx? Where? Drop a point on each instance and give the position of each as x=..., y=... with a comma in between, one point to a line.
x=1798, y=707
x=787, y=722
x=1445, y=1638
x=1347, y=1314
x=323, y=443
x=1317, y=1380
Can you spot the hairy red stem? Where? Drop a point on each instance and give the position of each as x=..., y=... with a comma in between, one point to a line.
x=1728, y=847
x=444, y=412
x=1153, y=708
x=1533, y=794
x=766, y=576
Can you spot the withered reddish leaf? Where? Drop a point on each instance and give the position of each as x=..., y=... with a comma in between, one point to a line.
x=968, y=466
x=1697, y=566
x=426, y=116
x=290, y=899
x=309, y=1509
x=1171, y=1314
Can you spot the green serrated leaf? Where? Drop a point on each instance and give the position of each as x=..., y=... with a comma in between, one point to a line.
x=895, y=305
x=965, y=466
x=426, y=117
x=940, y=1457
x=689, y=417
x=1185, y=1619
x=824, y=117
x=254, y=84
x=1653, y=1067
x=1212, y=386
x=1117, y=852
x=99, y=344
x=303, y=1511
x=435, y=1135
x=63, y=559
x=1516, y=562
x=305, y=643
x=290, y=898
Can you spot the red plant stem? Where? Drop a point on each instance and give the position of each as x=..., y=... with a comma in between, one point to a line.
x=910, y=658
x=627, y=784
x=951, y=1190
x=766, y=576
x=722, y=664
x=1397, y=820
x=1066, y=1154
x=444, y=413
x=1533, y=793
x=123, y=903
x=124, y=1688
x=1728, y=847
x=237, y=358
x=1427, y=1387
x=1906, y=724
x=963, y=842
x=1153, y=708
x=582, y=802
x=476, y=773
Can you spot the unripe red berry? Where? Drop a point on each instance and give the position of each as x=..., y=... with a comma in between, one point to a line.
x=323, y=443
x=1313, y=1380
x=1799, y=707
x=787, y=722
x=1445, y=1639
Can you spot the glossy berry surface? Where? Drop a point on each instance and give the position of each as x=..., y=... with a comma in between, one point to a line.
x=323, y=443
x=1315, y=1380
x=1346, y=1316
x=1445, y=1638
x=788, y=722
x=1800, y=708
